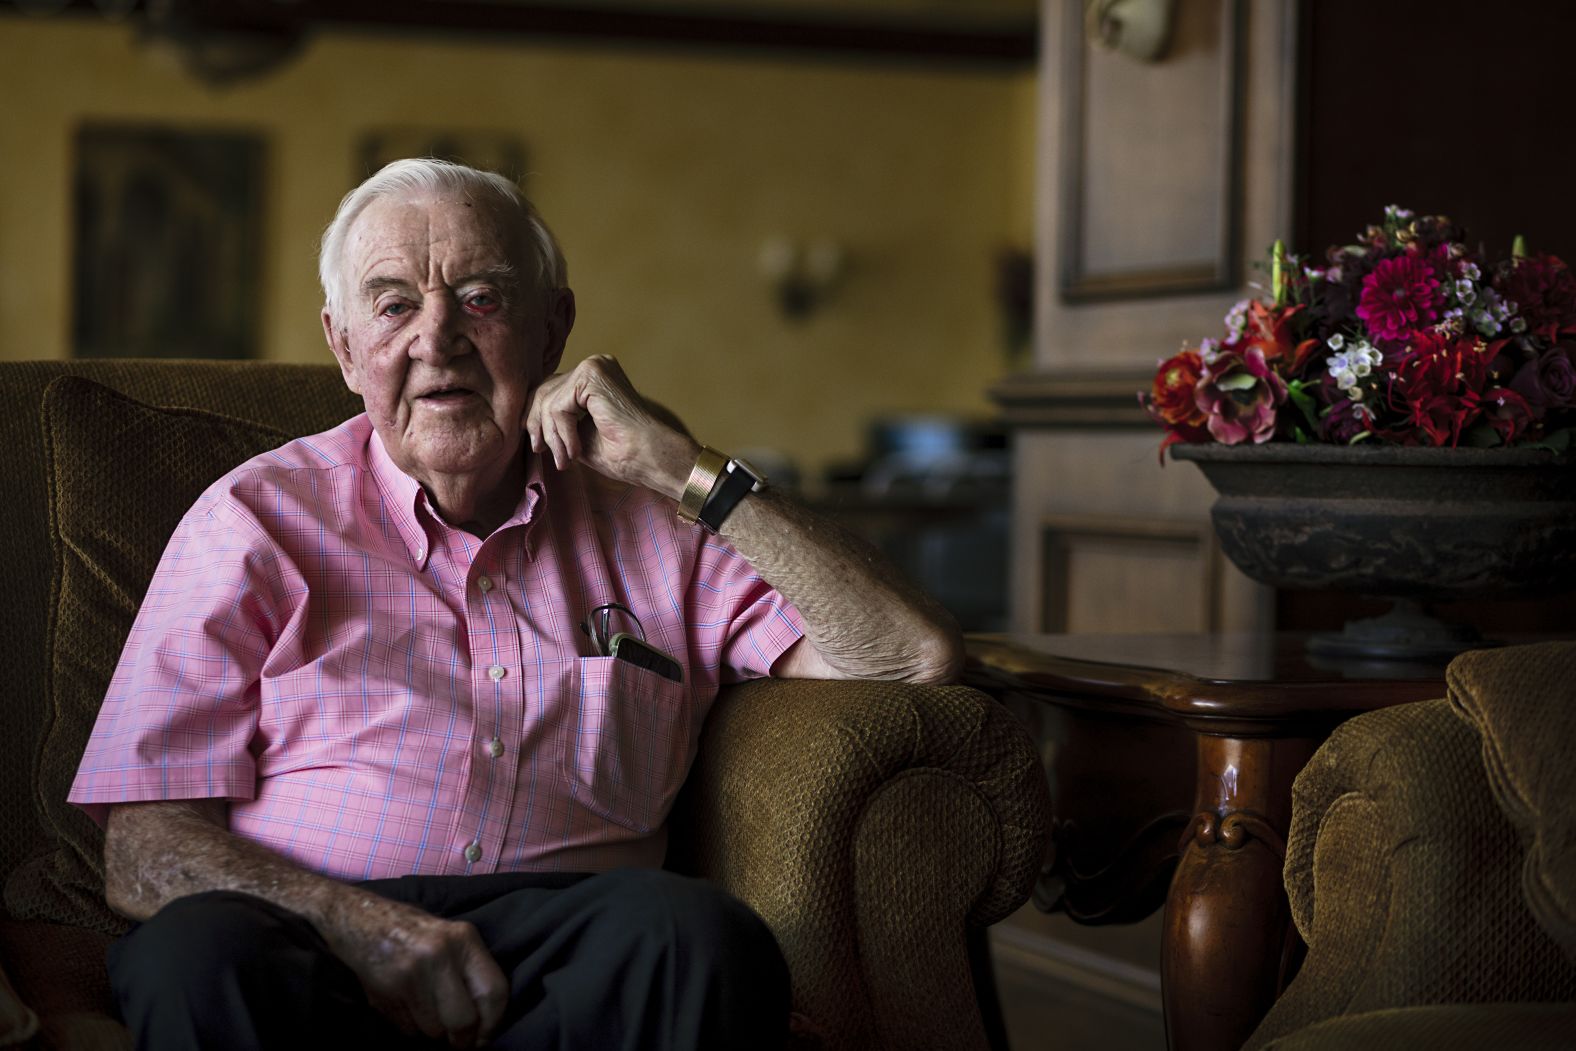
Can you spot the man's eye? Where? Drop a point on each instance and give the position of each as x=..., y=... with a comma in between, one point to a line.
x=482, y=302
x=393, y=309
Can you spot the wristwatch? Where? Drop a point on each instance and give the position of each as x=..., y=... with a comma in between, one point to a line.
x=738, y=478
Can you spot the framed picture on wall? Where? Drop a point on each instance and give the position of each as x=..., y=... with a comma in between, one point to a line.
x=494, y=151
x=167, y=242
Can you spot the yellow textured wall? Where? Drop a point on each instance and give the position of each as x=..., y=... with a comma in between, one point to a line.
x=661, y=172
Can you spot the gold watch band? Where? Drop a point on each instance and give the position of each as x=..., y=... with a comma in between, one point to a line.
x=702, y=480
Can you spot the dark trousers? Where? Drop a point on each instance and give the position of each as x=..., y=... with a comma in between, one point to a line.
x=630, y=959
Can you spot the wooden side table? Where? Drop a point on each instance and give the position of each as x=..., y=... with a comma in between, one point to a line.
x=1171, y=759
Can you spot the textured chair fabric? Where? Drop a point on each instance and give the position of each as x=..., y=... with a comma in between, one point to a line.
x=1523, y=704
x=1405, y=880
x=62, y=978
x=1451, y=1027
x=18, y=1021
x=854, y=818
x=870, y=824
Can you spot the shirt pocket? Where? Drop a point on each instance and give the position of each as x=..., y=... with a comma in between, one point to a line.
x=631, y=743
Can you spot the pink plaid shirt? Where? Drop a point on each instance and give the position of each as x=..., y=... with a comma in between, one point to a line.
x=378, y=694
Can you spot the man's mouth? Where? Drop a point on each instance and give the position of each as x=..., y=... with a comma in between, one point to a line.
x=446, y=394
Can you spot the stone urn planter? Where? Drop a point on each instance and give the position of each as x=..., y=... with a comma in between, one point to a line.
x=1414, y=525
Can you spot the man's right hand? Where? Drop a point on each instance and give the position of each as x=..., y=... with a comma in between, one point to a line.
x=431, y=976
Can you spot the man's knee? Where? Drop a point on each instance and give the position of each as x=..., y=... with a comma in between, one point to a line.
x=706, y=922
x=200, y=935
x=227, y=969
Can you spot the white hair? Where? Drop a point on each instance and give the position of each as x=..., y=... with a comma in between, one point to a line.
x=419, y=175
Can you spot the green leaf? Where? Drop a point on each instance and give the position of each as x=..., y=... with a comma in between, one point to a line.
x=1237, y=381
x=1555, y=441
x=1304, y=402
x=1359, y=436
x=1301, y=436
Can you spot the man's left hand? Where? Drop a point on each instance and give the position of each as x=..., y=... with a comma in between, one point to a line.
x=593, y=414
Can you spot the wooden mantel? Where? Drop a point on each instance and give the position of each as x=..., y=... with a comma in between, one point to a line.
x=1081, y=398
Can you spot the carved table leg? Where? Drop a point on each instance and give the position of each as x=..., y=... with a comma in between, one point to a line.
x=1227, y=921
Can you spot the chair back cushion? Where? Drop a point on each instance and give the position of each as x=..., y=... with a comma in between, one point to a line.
x=99, y=481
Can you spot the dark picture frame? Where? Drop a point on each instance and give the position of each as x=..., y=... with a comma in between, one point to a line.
x=167, y=242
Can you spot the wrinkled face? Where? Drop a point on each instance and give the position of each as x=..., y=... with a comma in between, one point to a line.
x=444, y=334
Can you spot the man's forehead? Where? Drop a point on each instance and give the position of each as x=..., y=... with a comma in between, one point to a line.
x=423, y=231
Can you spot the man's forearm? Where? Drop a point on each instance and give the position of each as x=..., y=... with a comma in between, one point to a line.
x=430, y=975
x=863, y=618
x=157, y=852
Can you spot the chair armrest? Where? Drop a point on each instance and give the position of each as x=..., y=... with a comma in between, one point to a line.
x=869, y=824
x=1405, y=878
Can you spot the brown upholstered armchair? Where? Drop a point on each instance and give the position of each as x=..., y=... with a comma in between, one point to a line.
x=1431, y=867
x=872, y=825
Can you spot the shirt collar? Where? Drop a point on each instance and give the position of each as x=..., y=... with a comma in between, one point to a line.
x=412, y=510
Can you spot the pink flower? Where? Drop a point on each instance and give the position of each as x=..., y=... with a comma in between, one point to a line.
x=1400, y=298
x=1239, y=394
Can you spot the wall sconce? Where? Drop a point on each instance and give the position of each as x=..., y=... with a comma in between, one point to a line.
x=802, y=275
x=1140, y=29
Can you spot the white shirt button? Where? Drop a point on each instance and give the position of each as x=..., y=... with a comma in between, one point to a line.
x=473, y=852
x=496, y=672
x=421, y=553
x=484, y=583
x=495, y=748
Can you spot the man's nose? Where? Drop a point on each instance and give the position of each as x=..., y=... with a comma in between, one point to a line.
x=439, y=332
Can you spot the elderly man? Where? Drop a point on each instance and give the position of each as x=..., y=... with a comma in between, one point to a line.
x=390, y=748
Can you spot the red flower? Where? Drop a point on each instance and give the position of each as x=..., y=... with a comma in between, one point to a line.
x=1436, y=386
x=1508, y=413
x=1399, y=299
x=1544, y=292
x=1172, y=403
x=1268, y=329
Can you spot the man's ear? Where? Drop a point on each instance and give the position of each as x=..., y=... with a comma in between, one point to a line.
x=560, y=320
x=339, y=343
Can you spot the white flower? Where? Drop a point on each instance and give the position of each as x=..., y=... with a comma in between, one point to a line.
x=1237, y=318
x=1518, y=325
x=1465, y=289
x=1471, y=271
x=1336, y=342
x=1209, y=350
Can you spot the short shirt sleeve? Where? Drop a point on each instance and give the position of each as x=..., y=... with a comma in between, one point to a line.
x=751, y=622
x=181, y=713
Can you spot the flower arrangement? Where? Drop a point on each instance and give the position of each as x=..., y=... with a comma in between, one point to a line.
x=1408, y=337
